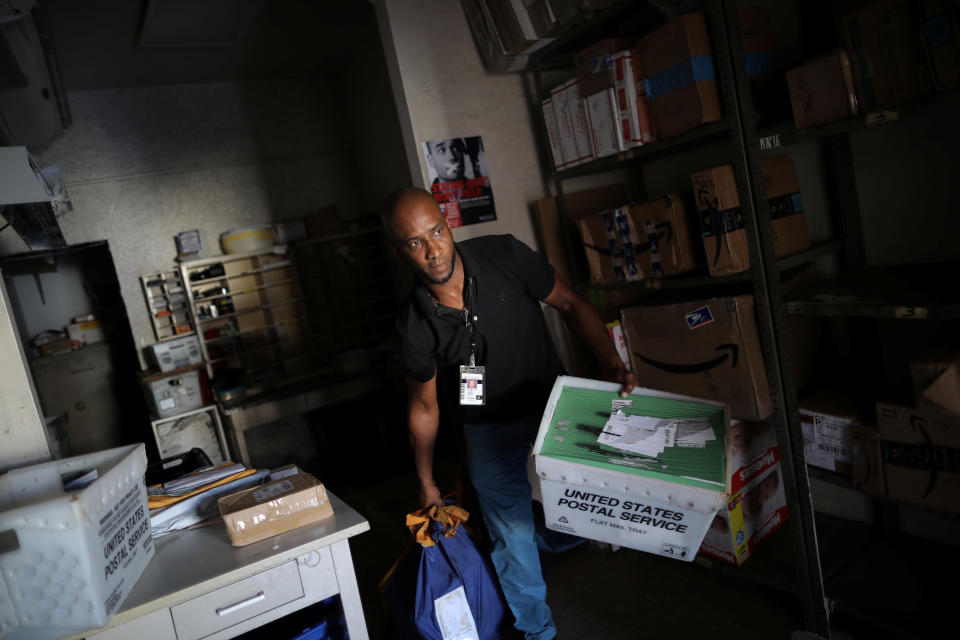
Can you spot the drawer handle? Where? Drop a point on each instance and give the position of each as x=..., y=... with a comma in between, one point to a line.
x=222, y=611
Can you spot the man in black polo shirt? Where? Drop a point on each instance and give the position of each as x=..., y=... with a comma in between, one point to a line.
x=476, y=305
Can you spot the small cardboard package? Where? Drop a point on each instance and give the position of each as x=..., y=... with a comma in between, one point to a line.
x=886, y=54
x=826, y=420
x=662, y=504
x=919, y=450
x=676, y=64
x=821, y=90
x=704, y=348
x=757, y=505
x=271, y=509
x=721, y=216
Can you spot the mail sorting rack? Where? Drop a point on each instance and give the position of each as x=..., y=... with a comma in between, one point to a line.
x=167, y=304
x=180, y=433
x=249, y=315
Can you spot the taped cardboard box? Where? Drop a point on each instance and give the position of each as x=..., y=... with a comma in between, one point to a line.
x=826, y=420
x=84, y=333
x=822, y=90
x=721, y=215
x=920, y=455
x=886, y=54
x=643, y=240
x=676, y=64
x=757, y=505
x=703, y=348
x=271, y=509
x=77, y=554
x=602, y=122
x=662, y=506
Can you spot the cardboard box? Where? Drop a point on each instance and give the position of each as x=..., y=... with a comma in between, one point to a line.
x=944, y=392
x=594, y=65
x=622, y=500
x=941, y=37
x=565, y=113
x=84, y=333
x=721, y=217
x=757, y=505
x=826, y=420
x=676, y=64
x=171, y=395
x=50, y=344
x=625, y=86
x=644, y=118
x=924, y=372
x=75, y=555
x=822, y=90
x=703, y=348
x=581, y=127
x=666, y=241
x=553, y=134
x=602, y=120
x=885, y=53
x=275, y=507
x=650, y=239
x=919, y=450
x=867, y=459
x=176, y=353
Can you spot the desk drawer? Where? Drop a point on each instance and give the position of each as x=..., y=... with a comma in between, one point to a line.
x=237, y=602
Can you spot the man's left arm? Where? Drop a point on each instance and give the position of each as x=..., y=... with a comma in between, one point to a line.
x=584, y=320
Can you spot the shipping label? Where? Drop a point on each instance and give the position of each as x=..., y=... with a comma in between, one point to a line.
x=125, y=540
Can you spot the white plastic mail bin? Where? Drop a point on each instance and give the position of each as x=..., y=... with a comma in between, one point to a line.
x=653, y=511
x=69, y=559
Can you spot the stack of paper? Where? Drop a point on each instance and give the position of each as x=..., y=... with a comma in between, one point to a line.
x=670, y=439
x=192, y=498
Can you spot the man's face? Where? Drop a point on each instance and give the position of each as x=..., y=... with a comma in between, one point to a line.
x=423, y=239
x=446, y=157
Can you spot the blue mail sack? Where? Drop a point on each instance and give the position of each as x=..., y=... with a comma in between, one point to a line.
x=444, y=588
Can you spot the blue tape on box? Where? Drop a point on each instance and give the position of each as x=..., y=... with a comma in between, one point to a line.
x=693, y=69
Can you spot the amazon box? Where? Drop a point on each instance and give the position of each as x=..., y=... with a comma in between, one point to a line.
x=704, y=348
x=826, y=420
x=665, y=243
x=921, y=463
x=639, y=241
x=822, y=90
x=757, y=505
x=886, y=54
x=676, y=64
x=721, y=215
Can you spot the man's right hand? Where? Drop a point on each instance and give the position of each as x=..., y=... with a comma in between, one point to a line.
x=430, y=494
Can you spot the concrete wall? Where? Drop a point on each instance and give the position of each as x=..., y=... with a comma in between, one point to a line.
x=442, y=91
x=143, y=164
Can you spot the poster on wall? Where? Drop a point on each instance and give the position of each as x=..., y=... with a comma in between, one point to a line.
x=457, y=171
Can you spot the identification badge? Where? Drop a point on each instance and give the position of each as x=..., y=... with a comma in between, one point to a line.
x=471, y=385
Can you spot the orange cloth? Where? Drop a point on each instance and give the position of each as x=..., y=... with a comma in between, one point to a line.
x=450, y=516
x=158, y=502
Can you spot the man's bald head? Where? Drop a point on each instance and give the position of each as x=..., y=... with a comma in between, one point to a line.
x=404, y=200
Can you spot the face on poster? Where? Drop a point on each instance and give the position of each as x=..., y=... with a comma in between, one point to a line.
x=457, y=171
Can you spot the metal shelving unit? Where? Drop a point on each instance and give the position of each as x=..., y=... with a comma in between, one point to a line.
x=793, y=561
x=739, y=131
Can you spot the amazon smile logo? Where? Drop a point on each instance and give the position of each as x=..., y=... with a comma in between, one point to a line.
x=732, y=352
